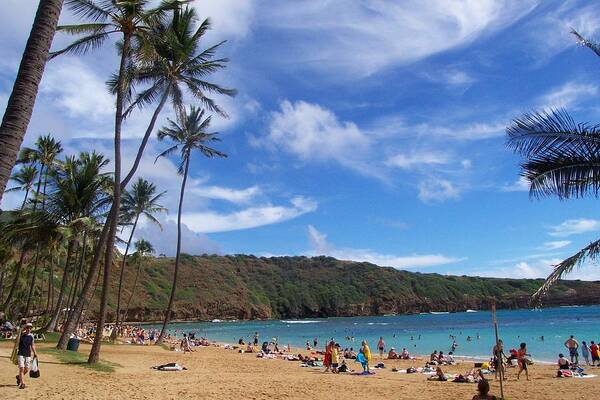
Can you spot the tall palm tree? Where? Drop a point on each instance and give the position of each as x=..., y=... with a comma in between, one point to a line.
x=130, y=19
x=143, y=248
x=25, y=178
x=141, y=200
x=168, y=59
x=44, y=154
x=189, y=134
x=22, y=98
x=562, y=158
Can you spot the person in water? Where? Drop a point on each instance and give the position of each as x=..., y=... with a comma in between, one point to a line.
x=522, y=361
x=381, y=346
x=483, y=391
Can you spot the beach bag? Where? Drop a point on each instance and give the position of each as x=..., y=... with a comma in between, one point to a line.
x=35, y=370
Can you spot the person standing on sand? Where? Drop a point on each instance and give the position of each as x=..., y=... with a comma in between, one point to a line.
x=595, y=352
x=499, y=356
x=585, y=352
x=327, y=356
x=522, y=361
x=573, y=345
x=367, y=354
x=26, y=348
x=381, y=346
x=315, y=343
x=256, y=338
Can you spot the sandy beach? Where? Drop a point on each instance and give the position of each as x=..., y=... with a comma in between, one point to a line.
x=216, y=373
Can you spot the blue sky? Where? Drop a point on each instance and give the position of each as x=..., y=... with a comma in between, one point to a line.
x=368, y=130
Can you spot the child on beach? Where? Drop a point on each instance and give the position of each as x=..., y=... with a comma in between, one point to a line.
x=381, y=346
x=364, y=356
x=522, y=361
x=483, y=390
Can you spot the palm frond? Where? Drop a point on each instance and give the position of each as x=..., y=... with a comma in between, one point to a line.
x=83, y=45
x=590, y=252
x=595, y=47
x=85, y=9
x=534, y=133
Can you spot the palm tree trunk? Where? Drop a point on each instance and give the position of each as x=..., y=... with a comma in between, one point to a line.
x=15, y=282
x=174, y=287
x=113, y=222
x=2, y=281
x=25, y=199
x=37, y=247
x=22, y=98
x=79, y=271
x=137, y=274
x=52, y=324
x=149, y=130
x=75, y=314
x=50, y=302
x=122, y=274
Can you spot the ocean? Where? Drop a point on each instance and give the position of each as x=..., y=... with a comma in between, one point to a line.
x=423, y=333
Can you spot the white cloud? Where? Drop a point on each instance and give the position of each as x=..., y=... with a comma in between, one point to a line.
x=568, y=95
x=228, y=194
x=574, y=227
x=557, y=244
x=73, y=86
x=520, y=185
x=466, y=164
x=165, y=241
x=320, y=246
x=536, y=270
x=437, y=190
x=252, y=217
x=395, y=126
x=229, y=18
x=312, y=132
x=409, y=161
x=361, y=38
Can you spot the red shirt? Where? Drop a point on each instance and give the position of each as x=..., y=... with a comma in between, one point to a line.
x=594, y=350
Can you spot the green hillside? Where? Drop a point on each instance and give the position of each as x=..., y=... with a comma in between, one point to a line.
x=248, y=287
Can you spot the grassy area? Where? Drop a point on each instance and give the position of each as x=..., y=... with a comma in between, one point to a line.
x=80, y=359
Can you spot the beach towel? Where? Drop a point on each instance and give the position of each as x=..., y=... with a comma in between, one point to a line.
x=584, y=376
x=362, y=373
x=169, y=367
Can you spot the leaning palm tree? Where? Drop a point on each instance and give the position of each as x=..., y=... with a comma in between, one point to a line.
x=562, y=158
x=25, y=178
x=141, y=201
x=189, y=134
x=143, y=248
x=22, y=98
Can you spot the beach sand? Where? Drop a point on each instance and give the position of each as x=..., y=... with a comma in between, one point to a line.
x=215, y=373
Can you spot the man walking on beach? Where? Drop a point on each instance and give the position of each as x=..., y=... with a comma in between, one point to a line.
x=26, y=348
x=573, y=345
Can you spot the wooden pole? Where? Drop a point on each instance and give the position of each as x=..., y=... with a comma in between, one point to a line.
x=500, y=361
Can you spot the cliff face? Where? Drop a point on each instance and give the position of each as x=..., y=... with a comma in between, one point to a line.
x=247, y=287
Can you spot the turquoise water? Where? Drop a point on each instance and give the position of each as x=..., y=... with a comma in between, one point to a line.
x=555, y=324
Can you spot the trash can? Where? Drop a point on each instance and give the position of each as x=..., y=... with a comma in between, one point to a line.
x=73, y=344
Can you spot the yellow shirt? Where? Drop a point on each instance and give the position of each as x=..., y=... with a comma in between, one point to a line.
x=334, y=356
x=367, y=352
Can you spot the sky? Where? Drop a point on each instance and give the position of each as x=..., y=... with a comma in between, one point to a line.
x=370, y=130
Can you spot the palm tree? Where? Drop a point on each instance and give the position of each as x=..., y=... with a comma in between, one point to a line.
x=78, y=196
x=143, y=249
x=131, y=20
x=562, y=158
x=22, y=98
x=25, y=179
x=141, y=200
x=189, y=134
x=169, y=60
x=44, y=154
